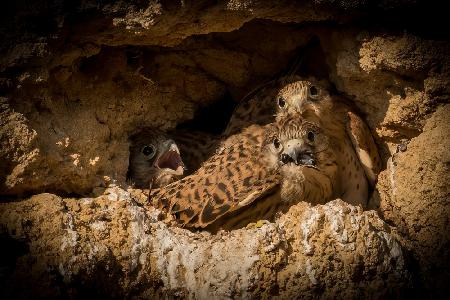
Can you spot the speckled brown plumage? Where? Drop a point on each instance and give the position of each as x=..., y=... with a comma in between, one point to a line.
x=195, y=147
x=308, y=160
x=358, y=155
x=257, y=107
x=234, y=177
x=240, y=181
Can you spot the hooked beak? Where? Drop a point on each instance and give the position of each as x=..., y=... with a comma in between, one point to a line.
x=171, y=160
x=298, y=153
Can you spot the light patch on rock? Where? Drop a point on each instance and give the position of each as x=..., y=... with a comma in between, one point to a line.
x=72, y=236
x=140, y=19
x=140, y=239
x=395, y=251
x=308, y=228
x=115, y=193
x=355, y=218
x=240, y=5
x=93, y=161
x=98, y=225
x=86, y=201
x=270, y=233
x=171, y=254
x=187, y=261
x=64, y=143
x=310, y=272
x=335, y=215
x=93, y=250
x=76, y=158
x=391, y=167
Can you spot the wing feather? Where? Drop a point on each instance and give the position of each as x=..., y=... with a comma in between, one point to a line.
x=364, y=146
x=235, y=176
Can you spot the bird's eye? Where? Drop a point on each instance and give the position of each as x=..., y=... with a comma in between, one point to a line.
x=313, y=92
x=276, y=143
x=311, y=136
x=281, y=102
x=149, y=151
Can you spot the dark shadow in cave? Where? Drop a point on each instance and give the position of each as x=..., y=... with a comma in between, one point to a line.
x=313, y=60
x=10, y=251
x=212, y=118
x=307, y=60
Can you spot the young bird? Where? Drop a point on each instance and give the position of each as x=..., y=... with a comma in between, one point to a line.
x=305, y=158
x=311, y=100
x=230, y=189
x=155, y=159
x=314, y=166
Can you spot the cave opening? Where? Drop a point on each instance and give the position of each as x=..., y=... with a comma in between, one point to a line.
x=206, y=59
x=212, y=118
x=193, y=86
x=305, y=61
x=80, y=82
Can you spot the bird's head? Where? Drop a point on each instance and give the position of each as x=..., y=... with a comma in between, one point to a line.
x=302, y=96
x=304, y=156
x=154, y=159
x=295, y=143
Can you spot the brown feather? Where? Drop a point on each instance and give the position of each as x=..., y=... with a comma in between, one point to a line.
x=234, y=177
x=311, y=100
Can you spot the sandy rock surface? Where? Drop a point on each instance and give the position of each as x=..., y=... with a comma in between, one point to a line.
x=111, y=241
x=76, y=80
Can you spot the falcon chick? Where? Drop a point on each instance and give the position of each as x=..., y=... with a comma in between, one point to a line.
x=155, y=159
x=223, y=192
x=256, y=108
x=305, y=158
x=315, y=166
x=312, y=101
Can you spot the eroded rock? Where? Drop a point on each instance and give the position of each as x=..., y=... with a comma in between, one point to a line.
x=77, y=80
x=118, y=248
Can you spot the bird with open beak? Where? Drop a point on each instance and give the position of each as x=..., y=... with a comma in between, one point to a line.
x=155, y=159
x=314, y=165
x=305, y=158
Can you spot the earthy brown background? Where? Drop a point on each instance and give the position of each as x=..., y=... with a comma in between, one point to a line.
x=78, y=77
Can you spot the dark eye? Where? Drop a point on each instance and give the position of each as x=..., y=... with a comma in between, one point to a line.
x=148, y=150
x=276, y=143
x=281, y=102
x=313, y=92
x=311, y=136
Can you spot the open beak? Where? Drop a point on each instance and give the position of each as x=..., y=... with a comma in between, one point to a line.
x=295, y=152
x=171, y=160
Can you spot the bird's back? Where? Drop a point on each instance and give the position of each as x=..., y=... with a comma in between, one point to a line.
x=234, y=177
